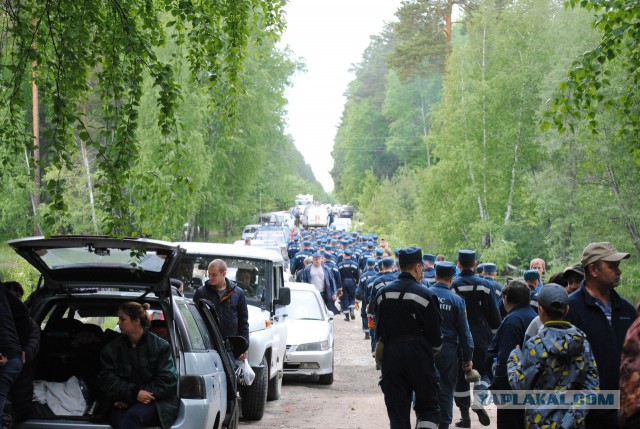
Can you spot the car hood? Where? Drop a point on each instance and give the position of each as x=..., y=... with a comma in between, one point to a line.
x=72, y=262
x=307, y=331
x=257, y=318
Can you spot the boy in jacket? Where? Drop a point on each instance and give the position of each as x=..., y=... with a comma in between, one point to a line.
x=558, y=358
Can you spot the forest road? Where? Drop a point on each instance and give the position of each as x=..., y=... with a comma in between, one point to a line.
x=353, y=401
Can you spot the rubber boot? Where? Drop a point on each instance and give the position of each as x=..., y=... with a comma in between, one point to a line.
x=367, y=336
x=465, y=419
x=346, y=317
x=478, y=408
x=443, y=425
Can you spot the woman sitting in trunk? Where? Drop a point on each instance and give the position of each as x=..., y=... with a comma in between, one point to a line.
x=138, y=374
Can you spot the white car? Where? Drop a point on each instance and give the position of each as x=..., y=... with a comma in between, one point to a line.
x=310, y=334
x=342, y=224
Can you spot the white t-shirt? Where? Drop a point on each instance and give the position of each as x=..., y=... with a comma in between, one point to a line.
x=317, y=278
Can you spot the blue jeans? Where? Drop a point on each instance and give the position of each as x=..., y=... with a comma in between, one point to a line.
x=136, y=416
x=8, y=373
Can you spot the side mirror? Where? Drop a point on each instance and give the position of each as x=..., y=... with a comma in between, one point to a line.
x=237, y=345
x=284, y=296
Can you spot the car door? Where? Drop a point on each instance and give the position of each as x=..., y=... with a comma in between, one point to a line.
x=278, y=321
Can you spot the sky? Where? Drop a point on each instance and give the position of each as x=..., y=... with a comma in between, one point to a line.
x=329, y=36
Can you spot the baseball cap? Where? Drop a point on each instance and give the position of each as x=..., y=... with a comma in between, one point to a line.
x=574, y=269
x=603, y=251
x=552, y=296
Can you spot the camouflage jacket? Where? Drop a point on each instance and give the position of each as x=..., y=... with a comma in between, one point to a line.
x=558, y=358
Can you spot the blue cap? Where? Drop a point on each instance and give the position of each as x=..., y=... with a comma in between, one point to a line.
x=429, y=257
x=327, y=247
x=348, y=252
x=466, y=257
x=379, y=251
x=317, y=255
x=306, y=243
x=396, y=251
x=354, y=234
x=370, y=245
x=445, y=269
x=480, y=268
x=388, y=262
x=410, y=255
x=326, y=255
x=532, y=275
x=371, y=261
x=490, y=268
x=375, y=236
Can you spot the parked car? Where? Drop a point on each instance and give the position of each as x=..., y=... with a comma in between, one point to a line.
x=341, y=224
x=249, y=231
x=310, y=336
x=83, y=282
x=271, y=234
x=346, y=211
x=260, y=273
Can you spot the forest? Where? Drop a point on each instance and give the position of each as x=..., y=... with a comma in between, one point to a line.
x=510, y=129
x=505, y=126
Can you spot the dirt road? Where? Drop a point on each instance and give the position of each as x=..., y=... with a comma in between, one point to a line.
x=353, y=401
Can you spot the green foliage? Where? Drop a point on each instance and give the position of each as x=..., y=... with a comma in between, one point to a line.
x=107, y=48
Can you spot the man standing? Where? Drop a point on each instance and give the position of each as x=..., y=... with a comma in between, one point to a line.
x=297, y=262
x=350, y=275
x=429, y=271
x=385, y=277
x=364, y=292
x=320, y=276
x=598, y=310
x=539, y=265
x=455, y=332
x=408, y=324
x=532, y=278
x=490, y=272
x=229, y=302
x=484, y=319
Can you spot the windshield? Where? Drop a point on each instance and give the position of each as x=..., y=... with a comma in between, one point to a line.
x=304, y=306
x=89, y=256
x=270, y=235
x=252, y=275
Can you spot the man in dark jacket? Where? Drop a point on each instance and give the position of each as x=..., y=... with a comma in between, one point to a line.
x=318, y=275
x=408, y=324
x=517, y=298
x=605, y=317
x=14, y=334
x=229, y=301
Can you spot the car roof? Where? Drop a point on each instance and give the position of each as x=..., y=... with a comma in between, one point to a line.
x=230, y=250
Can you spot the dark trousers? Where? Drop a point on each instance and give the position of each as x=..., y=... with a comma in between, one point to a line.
x=409, y=367
x=481, y=337
x=348, y=298
x=136, y=416
x=447, y=365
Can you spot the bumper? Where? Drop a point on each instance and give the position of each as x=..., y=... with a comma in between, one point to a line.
x=308, y=363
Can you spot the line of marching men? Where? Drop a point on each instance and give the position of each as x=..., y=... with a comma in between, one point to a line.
x=437, y=328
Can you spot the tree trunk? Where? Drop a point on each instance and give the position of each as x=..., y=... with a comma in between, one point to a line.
x=630, y=223
x=507, y=217
x=85, y=159
x=487, y=237
x=35, y=202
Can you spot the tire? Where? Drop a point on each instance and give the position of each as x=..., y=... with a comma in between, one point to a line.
x=275, y=388
x=326, y=379
x=254, y=397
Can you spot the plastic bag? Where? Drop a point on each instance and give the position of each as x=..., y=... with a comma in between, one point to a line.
x=245, y=373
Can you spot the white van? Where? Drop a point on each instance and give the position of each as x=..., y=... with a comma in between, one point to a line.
x=315, y=216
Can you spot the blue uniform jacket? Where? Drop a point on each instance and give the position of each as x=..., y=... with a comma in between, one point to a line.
x=349, y=271
x=455, y=327
x=363, y=290
x=407, y=308
x=382, y=280
x=429, y=276
x=297, y=262
x=336, y=273
x=510, y=334
x=606, y=339
x=480, y=299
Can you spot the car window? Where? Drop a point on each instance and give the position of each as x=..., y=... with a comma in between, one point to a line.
x=252, y=275
x=78, y=257
x=196, y=330
x=304, y=306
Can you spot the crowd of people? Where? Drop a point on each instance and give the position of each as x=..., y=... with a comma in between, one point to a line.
x=446, y=332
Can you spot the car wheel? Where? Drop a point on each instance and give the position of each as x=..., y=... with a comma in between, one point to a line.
x=275, y=388
x=254, y=397
x=326, y=378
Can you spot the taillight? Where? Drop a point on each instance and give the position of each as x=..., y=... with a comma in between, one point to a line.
x=192, y=387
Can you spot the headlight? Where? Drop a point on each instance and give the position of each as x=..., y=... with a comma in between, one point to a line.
x=313, y=347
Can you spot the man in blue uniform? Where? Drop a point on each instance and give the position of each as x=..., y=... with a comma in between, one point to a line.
x=490, y=271
x=385, y=277
x=408, y=324
x=297, y=263
x=293, y=247
x=349, y=275
x=484, y=320
x=532, y=278
x=455, y=332
x=429, y=271
x=364, y=292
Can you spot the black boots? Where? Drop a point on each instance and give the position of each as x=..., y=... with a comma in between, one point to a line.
x=465, y=419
